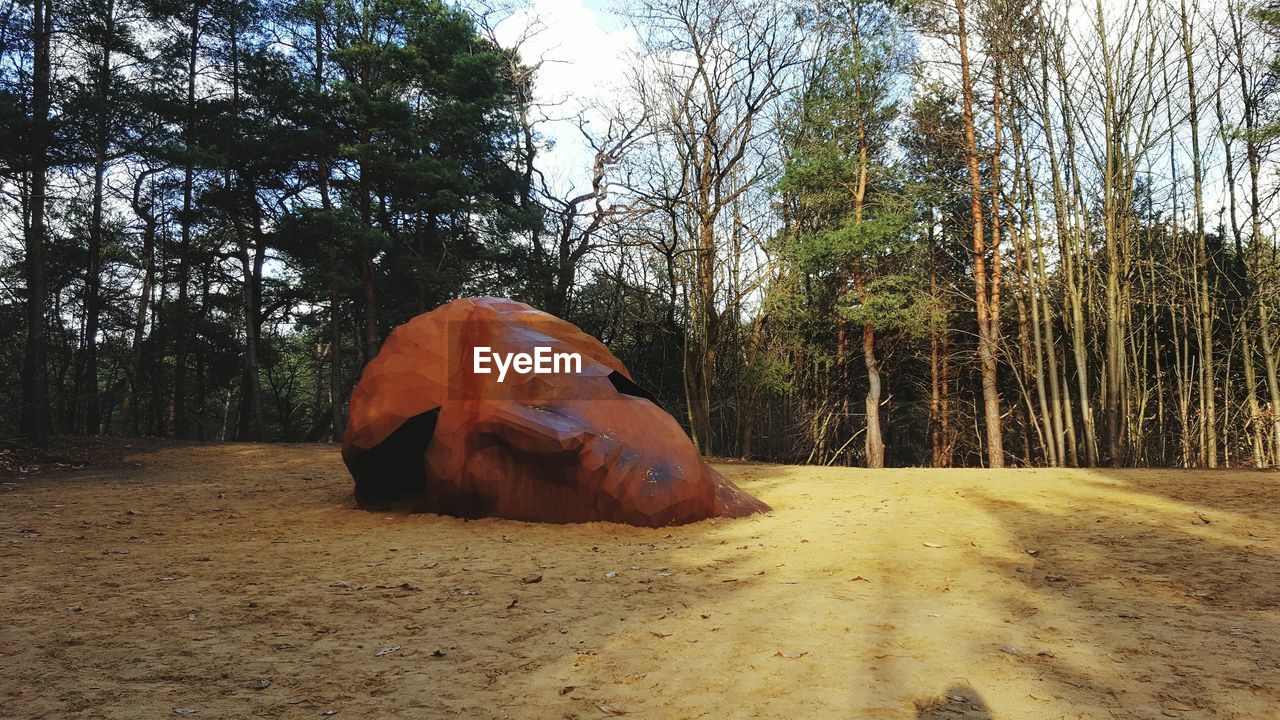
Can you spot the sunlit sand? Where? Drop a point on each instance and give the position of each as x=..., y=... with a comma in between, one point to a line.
x=240, y=581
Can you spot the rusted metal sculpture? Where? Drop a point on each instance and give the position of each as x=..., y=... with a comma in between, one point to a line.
x=433, y=428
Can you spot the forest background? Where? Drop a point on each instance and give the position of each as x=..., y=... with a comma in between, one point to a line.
x=871, y=232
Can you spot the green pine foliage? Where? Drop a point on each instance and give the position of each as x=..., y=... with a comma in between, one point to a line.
x=870, y=266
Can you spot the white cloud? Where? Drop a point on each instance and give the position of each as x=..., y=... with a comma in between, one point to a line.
x=582, y=64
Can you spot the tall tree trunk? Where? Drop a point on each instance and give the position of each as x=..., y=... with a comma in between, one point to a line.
x=201, y=353
x=242, y=198
x=133, y=391
x=939, y=382
x=87, y=385
x=1204, y=308
x=1156, y=306
x=1074, y=227
x=1113, y=345
x=253, y=326
x=251, y=263
x=874, y=442
x=1072, y=312
x=1031, y=352
x=702, y=338
x=337, y=388
x=1253, y=158
x=986, y=299
x=1248, y=334
x=34, y=420
x=1045, y=335
x=156, y=416
x=748, y=410
x=370, y=291
x=183, y=333
x=701, y=358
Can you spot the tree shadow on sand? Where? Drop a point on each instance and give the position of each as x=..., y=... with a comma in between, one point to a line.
x=1148, y=594
x=959, y=702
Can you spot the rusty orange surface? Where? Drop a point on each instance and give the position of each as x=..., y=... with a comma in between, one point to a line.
x=588, y=444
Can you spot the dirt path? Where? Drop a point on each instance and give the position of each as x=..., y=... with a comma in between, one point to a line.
x=239, y=581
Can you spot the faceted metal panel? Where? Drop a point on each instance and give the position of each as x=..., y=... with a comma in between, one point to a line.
x=426, y=430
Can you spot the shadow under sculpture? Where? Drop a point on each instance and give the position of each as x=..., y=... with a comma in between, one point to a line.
x=429, y=433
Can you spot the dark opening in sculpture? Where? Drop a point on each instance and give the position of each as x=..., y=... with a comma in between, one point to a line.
x=429, y=431
x=392, y=474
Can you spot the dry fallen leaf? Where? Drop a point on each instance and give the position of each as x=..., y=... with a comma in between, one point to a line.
x=532, y=579
x=790, y=655
x=567, y=689
x=660, y=635
x=858, y=578
x=932, y=545
x=610, y=710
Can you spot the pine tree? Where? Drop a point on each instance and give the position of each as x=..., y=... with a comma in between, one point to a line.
x=852, y=215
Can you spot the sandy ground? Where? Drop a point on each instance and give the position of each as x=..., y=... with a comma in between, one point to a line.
x=239, y=581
